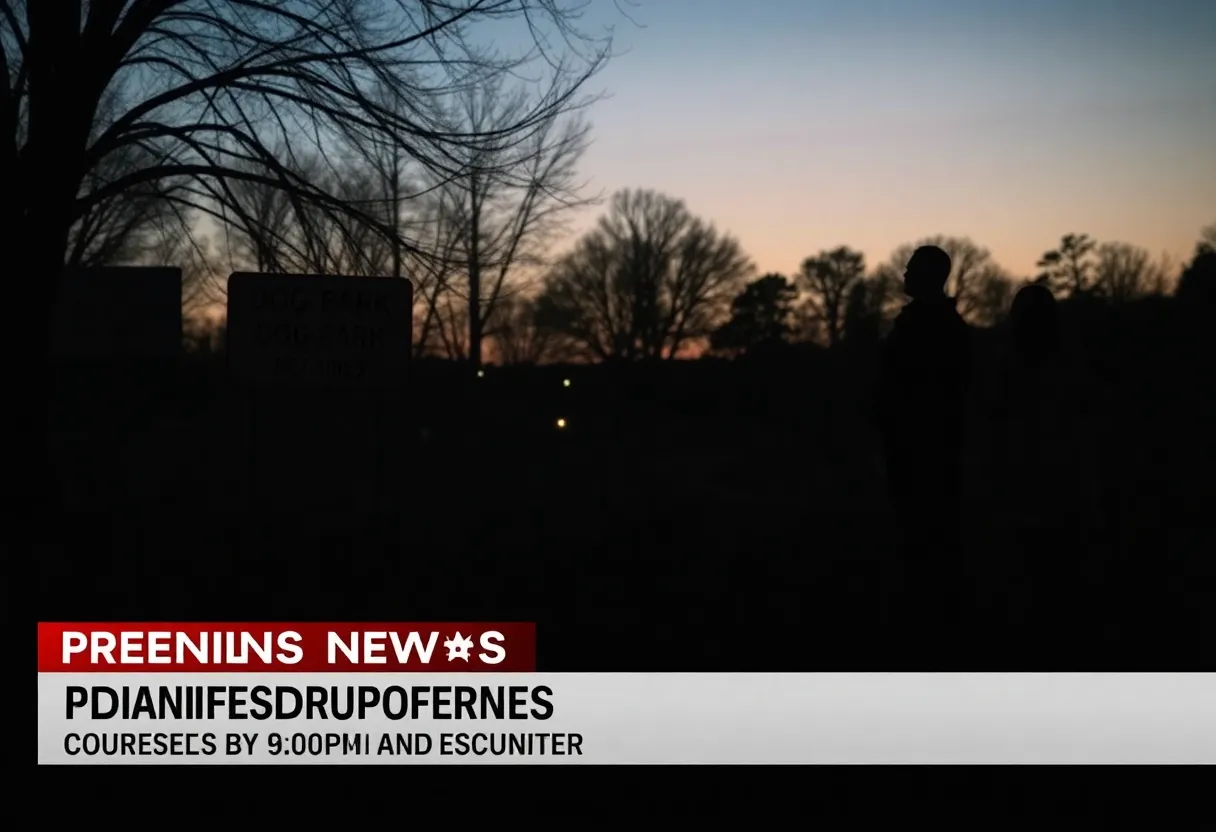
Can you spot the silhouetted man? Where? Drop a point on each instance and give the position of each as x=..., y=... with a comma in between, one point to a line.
x=925, y=374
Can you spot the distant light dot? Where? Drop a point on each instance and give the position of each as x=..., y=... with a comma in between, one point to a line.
x=481, y=373
x=565, y=382
x=561, y=423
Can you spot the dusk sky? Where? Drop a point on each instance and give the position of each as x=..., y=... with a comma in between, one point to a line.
x=798, y=125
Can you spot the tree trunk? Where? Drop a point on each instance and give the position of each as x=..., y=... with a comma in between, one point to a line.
x=475, y=281
x=41, y=203
x=395, y=220
x=32, y=484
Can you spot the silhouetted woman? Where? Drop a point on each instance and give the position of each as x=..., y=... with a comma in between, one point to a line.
x=1035, y=321
x=1046, y=463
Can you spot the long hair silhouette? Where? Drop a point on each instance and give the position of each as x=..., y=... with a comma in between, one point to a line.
x=1035, y=322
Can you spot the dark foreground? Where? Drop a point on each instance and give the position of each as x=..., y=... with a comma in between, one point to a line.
x=701, y=517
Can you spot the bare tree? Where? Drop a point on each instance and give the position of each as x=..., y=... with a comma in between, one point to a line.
x=494, y=220
x=396, y=178
x=871, y=305
x=992, y=298
x=120, y=229
x=139, y=226
x=1196, y=287
x=267, y=230
x=828, y=278
x=1068, y=268
x=444, y=226
x=1207, y=239
x=260, y=223
x=980, y=287
x=175, y=243
x=1124, y=272
x=341, y=244
x=515, y=336
x=511, y=201
x=217, y=91
x=648, y=281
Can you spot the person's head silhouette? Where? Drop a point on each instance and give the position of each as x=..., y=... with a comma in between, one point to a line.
x=927, y=273
x=1035, y=323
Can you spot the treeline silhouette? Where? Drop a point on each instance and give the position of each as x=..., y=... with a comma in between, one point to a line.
x=653, y=280
x=687, y=510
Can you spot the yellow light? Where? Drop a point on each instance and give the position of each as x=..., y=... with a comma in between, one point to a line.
x=561, y=423
x=565, y=382
x=481, y=373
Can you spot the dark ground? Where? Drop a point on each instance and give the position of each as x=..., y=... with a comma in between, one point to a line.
x=698, y=515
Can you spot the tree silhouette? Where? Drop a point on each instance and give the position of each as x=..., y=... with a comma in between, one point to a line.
x=511, y=202
x=1197, y=284
x=1207, y=239
x=760, y=317
x=992, y=298
x=646, y=282
x=1124, y=272
x=446, y=229
x=982, y=289
x=213, y=92
x=1068, y=268
x=870, y=306
x=117, y=230
x=829, y=277
x=268, y=230
x=514, y=335
x=183, y=98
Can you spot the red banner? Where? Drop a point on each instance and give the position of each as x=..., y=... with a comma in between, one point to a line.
x=278, y=647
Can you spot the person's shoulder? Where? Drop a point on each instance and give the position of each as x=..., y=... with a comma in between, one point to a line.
x=901, y=322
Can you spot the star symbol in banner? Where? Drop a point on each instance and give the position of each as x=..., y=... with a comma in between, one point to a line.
x=458, y=647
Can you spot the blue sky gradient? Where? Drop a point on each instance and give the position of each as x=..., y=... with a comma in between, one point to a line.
x=799, y=125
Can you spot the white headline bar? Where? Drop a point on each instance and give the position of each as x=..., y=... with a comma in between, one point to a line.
x=986, y=718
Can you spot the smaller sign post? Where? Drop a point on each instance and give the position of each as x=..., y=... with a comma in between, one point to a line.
x=115, y=342
x=324, y=361
x=118, y=314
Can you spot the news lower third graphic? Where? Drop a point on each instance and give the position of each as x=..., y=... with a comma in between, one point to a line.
x=327, y=721
x=340, y=693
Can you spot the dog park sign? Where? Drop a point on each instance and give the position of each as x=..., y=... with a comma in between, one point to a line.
x=319, y=331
